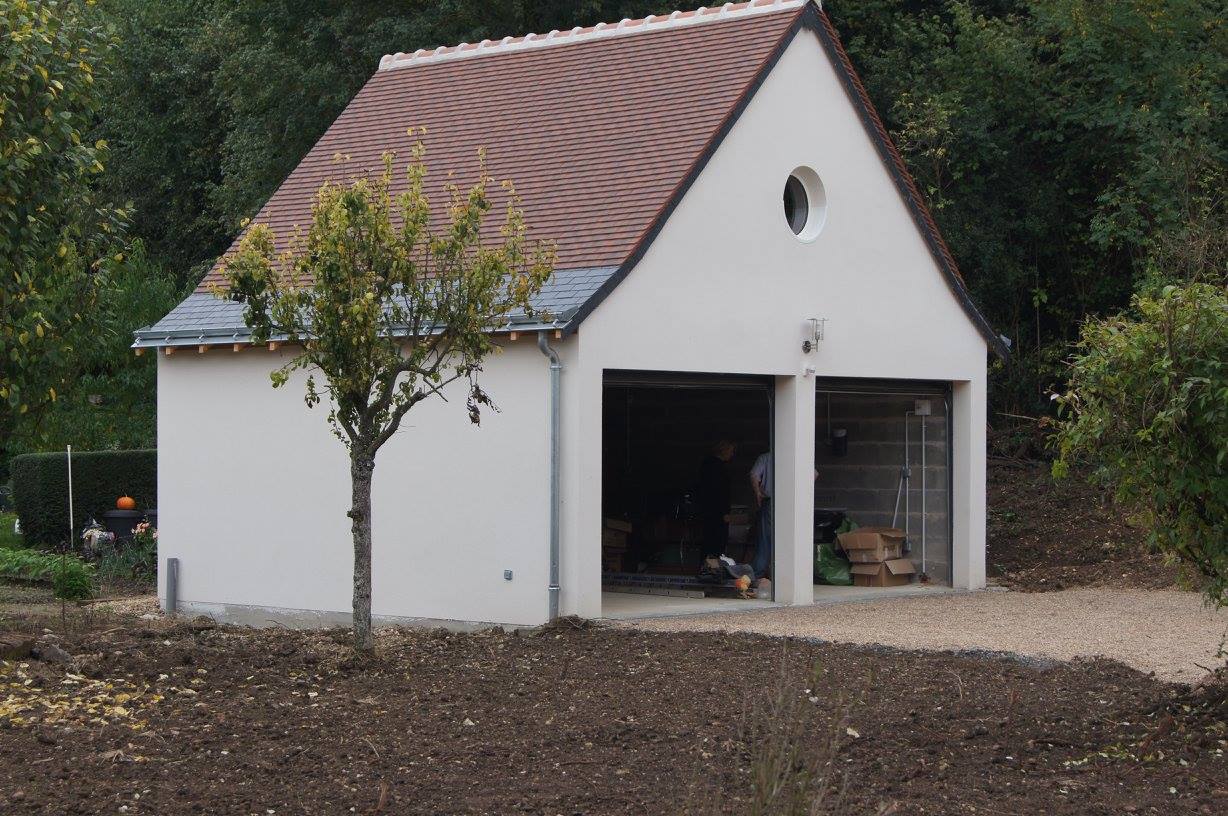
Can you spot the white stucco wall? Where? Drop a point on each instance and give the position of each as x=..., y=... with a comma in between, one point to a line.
x=253, y=490
x=726, y=287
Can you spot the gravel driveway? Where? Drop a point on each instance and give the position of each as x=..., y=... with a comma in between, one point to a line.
x=1169, y=633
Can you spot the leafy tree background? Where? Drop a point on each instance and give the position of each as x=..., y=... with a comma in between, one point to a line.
x=1073, y=151
x=59, y=236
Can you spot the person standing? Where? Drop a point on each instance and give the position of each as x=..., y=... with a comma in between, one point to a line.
x=713, y=497
x=761, y=484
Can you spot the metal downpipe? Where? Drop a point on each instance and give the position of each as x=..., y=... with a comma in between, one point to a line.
x=556, y=370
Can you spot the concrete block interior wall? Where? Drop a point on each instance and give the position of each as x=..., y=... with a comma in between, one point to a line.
x=865, y=480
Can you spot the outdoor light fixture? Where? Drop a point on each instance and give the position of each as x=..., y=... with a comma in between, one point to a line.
x=812, y=333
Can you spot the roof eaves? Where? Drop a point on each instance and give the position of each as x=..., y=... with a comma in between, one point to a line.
x=894, y=162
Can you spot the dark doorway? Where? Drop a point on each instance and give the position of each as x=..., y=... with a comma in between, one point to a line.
x=661, y=469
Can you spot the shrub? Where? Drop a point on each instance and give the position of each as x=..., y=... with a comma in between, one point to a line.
x=40, y=489
x=1148, y=408
x=70, y=577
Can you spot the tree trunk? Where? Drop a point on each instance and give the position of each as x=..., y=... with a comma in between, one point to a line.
x=362, y=468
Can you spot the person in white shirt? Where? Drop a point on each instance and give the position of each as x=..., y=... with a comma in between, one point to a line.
x=761, y=479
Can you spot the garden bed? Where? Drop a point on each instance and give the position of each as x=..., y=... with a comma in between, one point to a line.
x=582, y=720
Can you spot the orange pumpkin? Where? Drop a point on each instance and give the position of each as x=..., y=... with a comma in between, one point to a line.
x=125, y=503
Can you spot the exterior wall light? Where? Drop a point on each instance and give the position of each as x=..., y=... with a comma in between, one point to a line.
x=812, y=333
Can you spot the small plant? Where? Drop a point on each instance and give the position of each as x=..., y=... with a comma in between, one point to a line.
x=786, y=766
x=792, y=770
x=71, y=578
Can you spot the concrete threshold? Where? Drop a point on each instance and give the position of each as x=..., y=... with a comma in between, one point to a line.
x=622, y=606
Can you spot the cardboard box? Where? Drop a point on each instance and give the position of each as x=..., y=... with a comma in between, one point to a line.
x=613, y=538
x=872, y=545
x=617, y=524
x=613, y=544
x=896, y=572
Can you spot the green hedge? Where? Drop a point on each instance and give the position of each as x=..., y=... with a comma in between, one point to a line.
x=40, y=489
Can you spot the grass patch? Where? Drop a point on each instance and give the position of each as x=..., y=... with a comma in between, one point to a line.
x=8, y=539
x=69, y=576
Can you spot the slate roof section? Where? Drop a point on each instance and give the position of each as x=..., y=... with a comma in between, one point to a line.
x=204, y=318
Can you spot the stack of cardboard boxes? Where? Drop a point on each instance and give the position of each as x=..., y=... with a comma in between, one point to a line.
x=876, y=557
x=614, y=534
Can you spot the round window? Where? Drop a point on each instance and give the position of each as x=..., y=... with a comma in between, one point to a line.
x=805, y=203
x=797, y=205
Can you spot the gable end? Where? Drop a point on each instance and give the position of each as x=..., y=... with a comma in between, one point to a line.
x=814, y=19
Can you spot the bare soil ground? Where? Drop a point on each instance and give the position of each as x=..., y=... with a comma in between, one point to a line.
x=158, y=718
x=1046, y=534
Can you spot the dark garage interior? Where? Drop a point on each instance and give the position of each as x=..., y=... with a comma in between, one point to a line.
x=657, y=432
x=882, y=457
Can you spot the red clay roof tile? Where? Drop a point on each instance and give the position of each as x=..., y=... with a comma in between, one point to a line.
x=596, y=128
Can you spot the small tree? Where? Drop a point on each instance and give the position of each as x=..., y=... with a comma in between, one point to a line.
x=387, y=312
x=1147, y=405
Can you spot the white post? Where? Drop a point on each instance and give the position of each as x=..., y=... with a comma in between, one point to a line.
x=793, y=499
x=923, y=494
x=71, y=532
x=968, y=501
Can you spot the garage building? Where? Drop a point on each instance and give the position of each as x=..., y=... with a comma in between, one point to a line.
x=742, y=255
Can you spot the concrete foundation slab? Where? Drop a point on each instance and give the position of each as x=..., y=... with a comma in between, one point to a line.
x=263, y=616
x=626, y=606
x=855, y=594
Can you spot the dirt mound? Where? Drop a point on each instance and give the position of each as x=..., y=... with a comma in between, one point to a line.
x=1046, y=534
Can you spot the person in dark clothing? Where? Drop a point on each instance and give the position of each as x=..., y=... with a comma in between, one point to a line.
x=713, y=497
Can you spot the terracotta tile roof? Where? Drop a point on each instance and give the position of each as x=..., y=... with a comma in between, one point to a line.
x=595, y=127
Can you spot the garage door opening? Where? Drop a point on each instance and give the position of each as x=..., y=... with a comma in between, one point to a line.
x=883, y=457
x=664, y=469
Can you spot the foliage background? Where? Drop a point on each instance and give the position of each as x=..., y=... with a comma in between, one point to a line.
x=1073, y=151
x=1149, y=403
